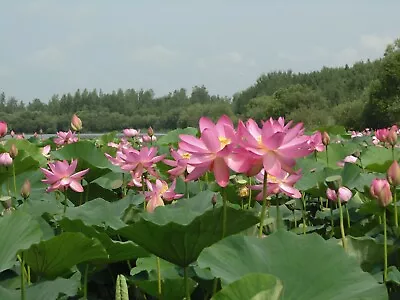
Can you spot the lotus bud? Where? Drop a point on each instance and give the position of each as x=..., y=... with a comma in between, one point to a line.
x=13, y=151
x=3, y=128
x=76, y=123
x=214, y=199
x=244, y=191
x=380, y=190
x=12, y=133
x=344, y=194
x=331, y=194
x=5, y=159
x=41, y=131
x=325, y=138
x=35, y=135
x=150, y=131
x=146, y=139
x=334, y=182
x=393, y=174
x=130, y=132
x=6, y=201
x=26, y=189
x=382, y=134
x=392, y=136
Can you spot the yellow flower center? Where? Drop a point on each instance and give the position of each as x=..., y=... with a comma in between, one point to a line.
x=164, y=188
x=224, y=141
x=186, y=155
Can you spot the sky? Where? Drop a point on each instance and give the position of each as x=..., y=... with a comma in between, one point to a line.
x=53, y=47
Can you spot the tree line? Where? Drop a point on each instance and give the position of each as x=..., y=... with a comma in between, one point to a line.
x=366, y=94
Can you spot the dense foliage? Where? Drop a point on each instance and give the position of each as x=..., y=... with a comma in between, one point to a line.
x=222, y=212
x=366, y=94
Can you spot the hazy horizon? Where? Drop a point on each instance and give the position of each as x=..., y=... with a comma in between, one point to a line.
x=58, y=47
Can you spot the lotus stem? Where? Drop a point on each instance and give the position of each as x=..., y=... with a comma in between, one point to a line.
x=186, y=280
x=342, y=225
x=224, y=217
x=295, y=221
x=15, y=181
x=264, y=205
x=327, y=156
x=65, y=202
x=332, y=223
x=385, y=246
x=159, y=278
x=81, y=195
x=29, y=274
x=348, y=217
x=143, y=190
x=249, y=205
x=85, y=281
x=123, y=186
x=303, y=212
x=23, y=295
x=278, y=215
x=87, y=193
x=396, y=219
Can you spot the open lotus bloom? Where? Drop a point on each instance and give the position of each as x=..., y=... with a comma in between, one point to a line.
x=284, y=183
x=158, y=192
x=276, y=145
x=64, y=138
x=180, y=163
x=315, y=142
x=211, y=151
x=61, y=176
x=139, y=161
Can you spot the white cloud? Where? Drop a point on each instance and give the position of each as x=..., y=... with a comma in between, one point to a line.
x=50, y=57
x=347, y=56
x=375, y=42
x=232, y=58
x=156, y=54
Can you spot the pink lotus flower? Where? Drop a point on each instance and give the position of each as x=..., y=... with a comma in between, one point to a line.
x=20, y=136
x=61, y=176
x=393, y=174
x=348, y=159
x=130, y=132
x=392, y=136
x=158, y=192
x=315, y=142
x=3, y=128
x=5, y=159
x=276, y=145
x=382, y=134
x=380, y=190
x=211, y=151
x=149, y=139
x=46, y=151
x=65, y=138
x=284, y=183
x=76, y=123
x=344, y=194
x=355, y=134
x=180, y=163
x=139, y=161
